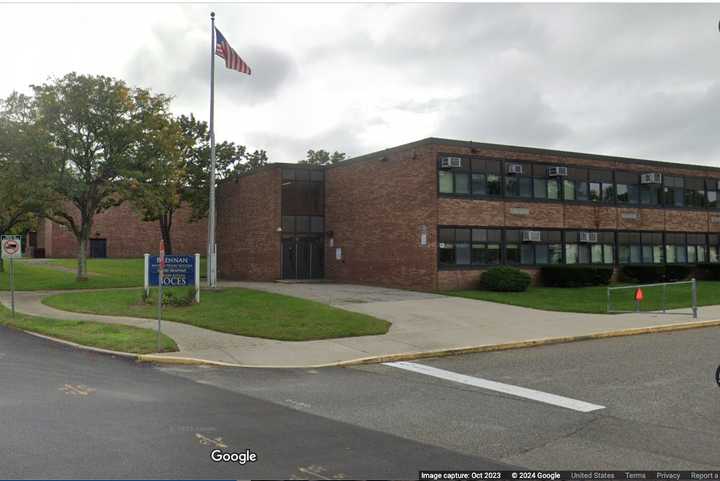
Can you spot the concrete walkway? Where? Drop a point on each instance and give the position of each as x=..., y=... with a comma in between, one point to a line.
x=422, y=322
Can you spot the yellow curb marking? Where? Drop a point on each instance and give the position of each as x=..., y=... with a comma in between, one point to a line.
x=76, y=390
x=205, y=441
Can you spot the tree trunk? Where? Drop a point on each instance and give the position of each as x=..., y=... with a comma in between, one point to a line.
x=165, y=227
x=82, y=258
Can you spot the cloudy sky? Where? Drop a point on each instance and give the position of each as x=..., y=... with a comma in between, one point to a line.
x=634, y=80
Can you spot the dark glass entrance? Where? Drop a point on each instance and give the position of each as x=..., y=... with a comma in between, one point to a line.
x=302, y=258
x=98, y=248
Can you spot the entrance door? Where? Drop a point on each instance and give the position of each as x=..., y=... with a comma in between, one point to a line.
x=98, y=248
x=302, y=258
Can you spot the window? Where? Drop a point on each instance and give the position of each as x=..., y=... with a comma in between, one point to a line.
x=316, y=224
x=477, y=177
x=695, y=192
x=681, y=248
x=650, y=194
x=547, y=251
x=518, y=185
x=600, y=252
x=713, y=254
x=445, y=178
x=486, y=246
x=675, y=248
x=601, y=187
x=454, y=180
x=486, y=177
x=575, y=185
x=673, y=194
x=697, y=248
x=456, y=246
x=446, y=247
x=627, y=188
x=544, y=187
x=462, y=182
x=640, y=248
x=302, y=224
x=302, y=192
x=711, y=193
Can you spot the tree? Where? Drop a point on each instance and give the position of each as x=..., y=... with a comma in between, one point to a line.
x=24, y=158
x=322, y=157
x=229, y=159
x=155, y=182
x=173, y=168
x=96, y=124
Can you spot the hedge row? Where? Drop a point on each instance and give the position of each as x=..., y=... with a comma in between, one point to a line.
x=510, y=279
x=645, y=274
x=575, y=276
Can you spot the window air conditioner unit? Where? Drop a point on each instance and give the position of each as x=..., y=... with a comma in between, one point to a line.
x=514, y=169
x=450, y=162
x=531, y=236
x=588, y=237
x=557, y=171
x=653, y=178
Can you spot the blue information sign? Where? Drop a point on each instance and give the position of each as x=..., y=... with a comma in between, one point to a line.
x=179, y=271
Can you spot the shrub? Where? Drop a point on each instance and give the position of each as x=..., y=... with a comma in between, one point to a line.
x=506, y=279
x=575, y=276
x=677, y=273
x=708, y=272
x=649, y=274
x=176, y=297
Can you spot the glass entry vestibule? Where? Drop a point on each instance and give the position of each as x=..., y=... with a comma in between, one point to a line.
x=302, y=257
x=303, y=223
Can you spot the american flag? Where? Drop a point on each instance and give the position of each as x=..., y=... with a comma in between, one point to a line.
x=225, y=51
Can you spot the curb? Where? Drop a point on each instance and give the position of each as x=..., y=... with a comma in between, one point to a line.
x=407, y=356
x=99, y=350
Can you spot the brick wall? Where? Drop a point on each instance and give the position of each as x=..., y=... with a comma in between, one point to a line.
x=504, y=213
x=126, y=234
x=375, y=209
x=249, y=244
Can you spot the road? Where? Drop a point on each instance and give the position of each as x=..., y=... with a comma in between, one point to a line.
x=68, y=413
x=661, y=405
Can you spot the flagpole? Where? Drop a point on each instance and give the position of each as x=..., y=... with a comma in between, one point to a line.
x=211, y=213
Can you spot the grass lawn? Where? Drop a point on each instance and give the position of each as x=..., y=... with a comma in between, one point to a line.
x=60, y=274
x=236, y=311
x=115, y=337
x=594, y=299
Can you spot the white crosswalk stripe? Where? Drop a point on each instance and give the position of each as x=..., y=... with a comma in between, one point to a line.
x=522, y=392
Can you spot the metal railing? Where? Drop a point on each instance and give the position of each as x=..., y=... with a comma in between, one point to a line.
x=663, y=301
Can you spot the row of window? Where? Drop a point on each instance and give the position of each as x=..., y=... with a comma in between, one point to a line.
x=491, y=178
x=467, y=246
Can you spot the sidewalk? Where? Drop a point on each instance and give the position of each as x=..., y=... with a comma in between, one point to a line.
x=423, y=324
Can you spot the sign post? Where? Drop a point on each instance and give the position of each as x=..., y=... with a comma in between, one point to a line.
x=11, y=247
x=161, y=259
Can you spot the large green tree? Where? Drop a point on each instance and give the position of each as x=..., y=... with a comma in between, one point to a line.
x=96, y=124
x=173, y=170
x=25, y=157
x=231, y=160
x=322, y=157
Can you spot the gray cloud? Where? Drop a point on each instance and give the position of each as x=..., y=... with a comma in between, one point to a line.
x=188, y=74
x=342, y=138
x=623, y=79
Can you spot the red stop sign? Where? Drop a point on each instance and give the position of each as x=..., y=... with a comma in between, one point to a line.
x=11, y=247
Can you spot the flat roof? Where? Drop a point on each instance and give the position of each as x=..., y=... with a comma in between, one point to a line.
x=528, y=150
